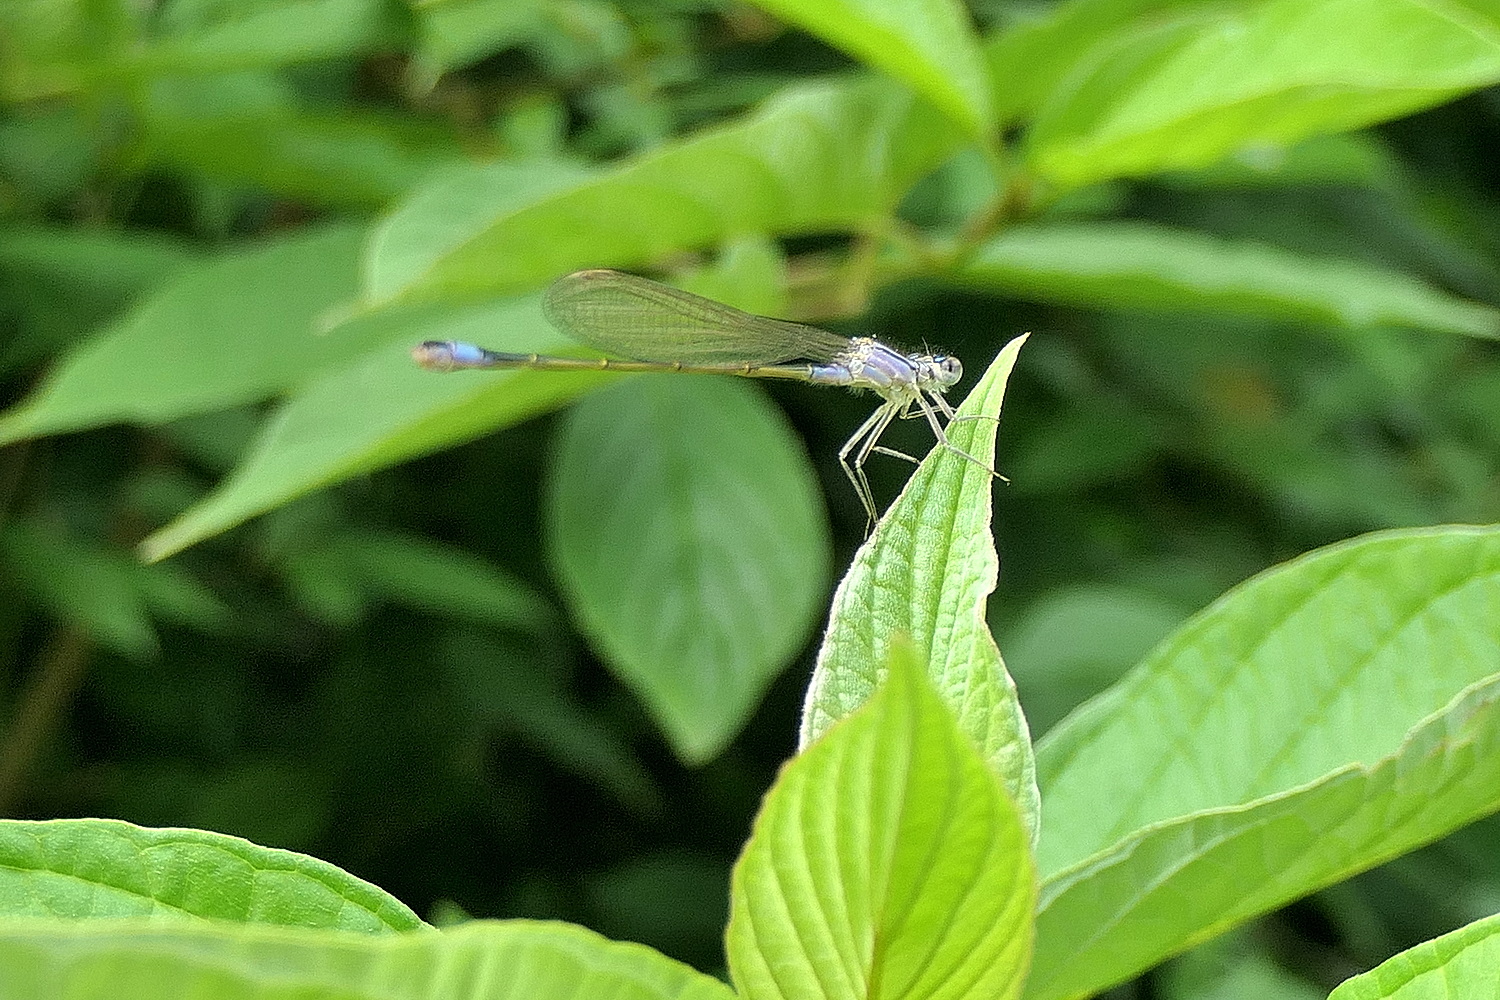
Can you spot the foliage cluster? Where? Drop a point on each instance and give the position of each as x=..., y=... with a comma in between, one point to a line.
x=264, y=577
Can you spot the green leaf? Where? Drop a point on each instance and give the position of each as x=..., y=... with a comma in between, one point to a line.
x=127, y=960
x=231, y=331
x=1176, y=806
x=344, y=158
x=443, y=580
x=887, y=861
x=1187, y=91
x=1465, y=963
x=926, y=573
x=259, y=34
x=927, y=44
x=822, y=157
x=689, y=537
x=112, y=263
x=455, y=33
x=104, y=592
x=379, y=411
x=1141, y=265
x=87, y=869
x=382, y=409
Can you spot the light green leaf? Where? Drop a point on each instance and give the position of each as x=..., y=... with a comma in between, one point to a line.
x=887, y=861
x=87, y=869
x=129, y=960
x=926, y=573
x=1465, y=963
x=1141, y=265
x=260, y=34
x=927, y=44
x=379, y=411
x=107, y=262
x=688, y=534
x=348, y=158
x=1168, y=817
x=825, y=156
x=1040, y=48
x=231, y=331
x=1187, y=91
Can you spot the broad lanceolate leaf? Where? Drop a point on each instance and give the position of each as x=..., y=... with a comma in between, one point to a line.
x=927, y=44
x=1465, y=963
x=274, y=33
x=688, y=534
x=926, y=573
x=1134, y=264
x=480, y=960
x=232, y=331
x=100, y=590
x=823, y=157
x=887, y=861
x=379, y=411
x=1186, y=91
x=1323, y=717
x=86, y=869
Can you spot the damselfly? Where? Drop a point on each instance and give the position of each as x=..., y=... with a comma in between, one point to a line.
x=651, y=327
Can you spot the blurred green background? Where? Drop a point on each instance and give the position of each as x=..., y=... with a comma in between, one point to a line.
x=416, y=673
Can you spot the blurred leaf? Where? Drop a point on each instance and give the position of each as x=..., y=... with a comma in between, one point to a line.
x=1465, y=963
x=669, y=899
x=129, y=960
x=927, y=44
x=819, y=157
x=926, y=573
x=91, y=869
x=343, y=157
x=455, y=33
x=233, y=330
x=1188, y=92
x=444, y=581
x=689, y=537
x=511, y=692
x=98, y=589
x=1354, y=159
x=1140, y=265
x=1040, y=49
x=1381, y=661
x=1071, y=644
x=1233, y=977
x=58, y=281
x=112, y=263
x=886, y=860
x=380, y=411
x=252, y=34
x=1097, y=440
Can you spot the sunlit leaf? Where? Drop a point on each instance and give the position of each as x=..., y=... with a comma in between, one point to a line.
x=824, y=156
x=927, y=44
x=129, y=960
x=1465, y=963
x=926, y=573
x=887, y=860
x=87, y=869
x=1186, y=91
x=1175, y=805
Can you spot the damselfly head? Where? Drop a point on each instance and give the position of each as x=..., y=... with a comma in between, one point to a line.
x=941, y=371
